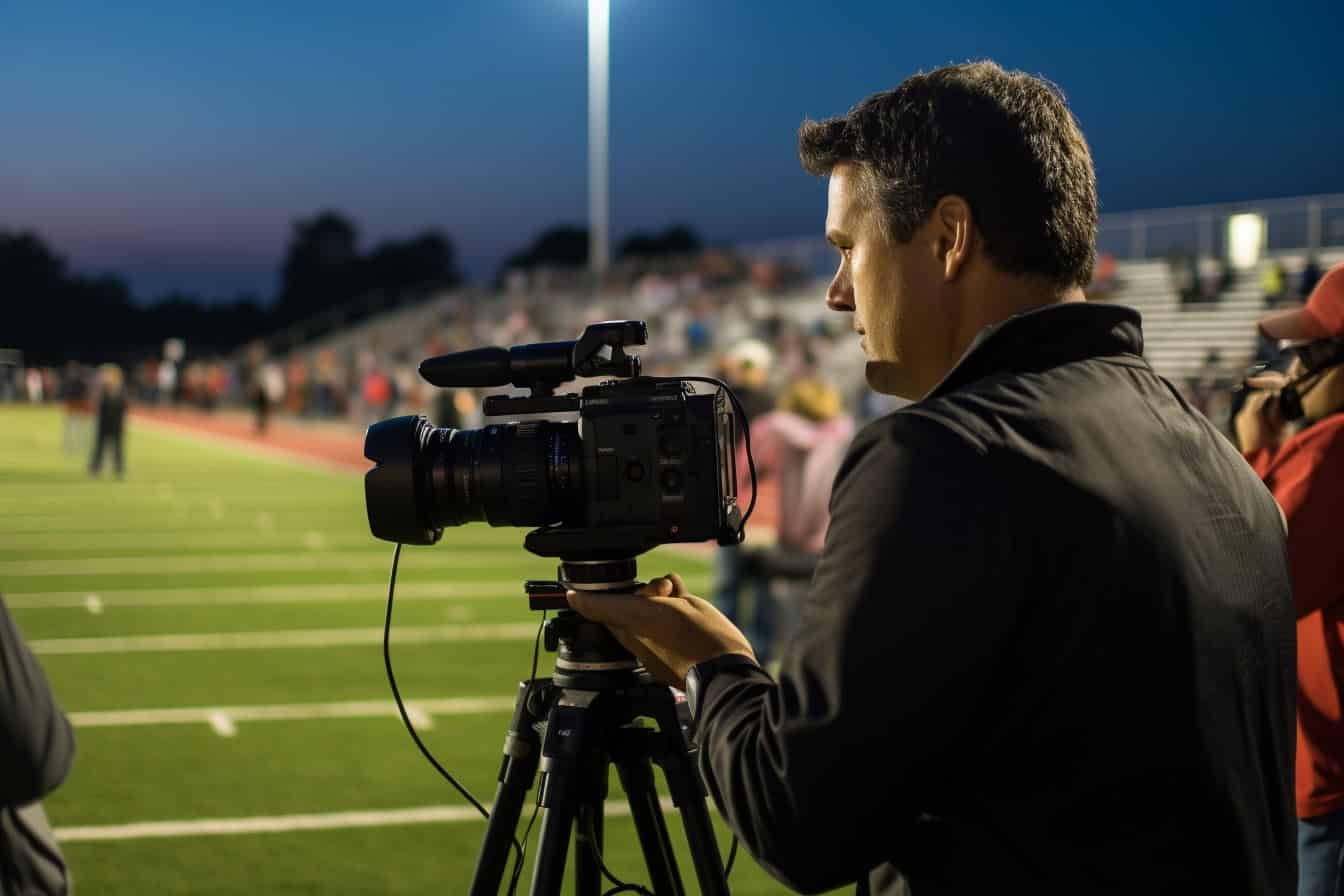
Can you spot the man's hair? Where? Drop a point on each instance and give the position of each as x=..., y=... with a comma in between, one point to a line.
x=1002, y=140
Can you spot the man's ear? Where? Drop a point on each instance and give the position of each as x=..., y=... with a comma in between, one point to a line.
x=954, y=235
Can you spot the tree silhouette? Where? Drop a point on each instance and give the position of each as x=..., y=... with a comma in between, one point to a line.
x=320, y=268
x=55, y=316
x=672, y=241
x=559, y=247
x=426, y=261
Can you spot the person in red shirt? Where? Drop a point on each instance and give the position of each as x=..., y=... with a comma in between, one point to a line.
x=1305, y=471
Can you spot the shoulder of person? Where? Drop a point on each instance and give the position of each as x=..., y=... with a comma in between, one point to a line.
x=917, y=440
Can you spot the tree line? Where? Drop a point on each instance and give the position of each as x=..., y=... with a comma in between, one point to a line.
x=54, y=314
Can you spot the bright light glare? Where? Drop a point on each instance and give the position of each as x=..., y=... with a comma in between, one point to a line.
x=1245, y=239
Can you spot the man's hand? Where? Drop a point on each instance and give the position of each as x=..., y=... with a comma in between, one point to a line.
x=668, y=629
x=1259, y=424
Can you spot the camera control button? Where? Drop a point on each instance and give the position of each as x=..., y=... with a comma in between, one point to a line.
x=634, y=471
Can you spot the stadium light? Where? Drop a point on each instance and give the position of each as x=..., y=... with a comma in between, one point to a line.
x=1245, y=239
x=599, y=21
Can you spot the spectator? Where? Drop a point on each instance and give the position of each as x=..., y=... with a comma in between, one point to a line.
x=801, y=444
x=1305, y=471
x=37, y=748
x=257, y=393
x=75, y=397
x=746, y=368
x=1103, y=278
x=109, y=420
x=1184, y=270
x=1209, y=389
x=1311, y=275
x=1273, y=282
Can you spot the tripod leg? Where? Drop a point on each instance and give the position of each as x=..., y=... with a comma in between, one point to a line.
x=688, y=795
x=522, y=752
x=588, y=841
x=656, y=845
x=549, y=872
x=572, y=754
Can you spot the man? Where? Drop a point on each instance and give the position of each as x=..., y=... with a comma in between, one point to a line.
x=1049, y=643
x=1305, y=470
x=37, y=747
x=110, y=421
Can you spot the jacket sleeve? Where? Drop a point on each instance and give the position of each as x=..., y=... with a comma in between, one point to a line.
x=37, y=745
x=895, y=652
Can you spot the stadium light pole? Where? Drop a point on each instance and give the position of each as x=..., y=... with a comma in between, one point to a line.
x=599, y=21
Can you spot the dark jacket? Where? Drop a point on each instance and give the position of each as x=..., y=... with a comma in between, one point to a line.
x=112, y=412
x=37, y=747
x=1048, y=649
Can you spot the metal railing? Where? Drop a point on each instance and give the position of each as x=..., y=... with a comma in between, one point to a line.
x=1305, y=223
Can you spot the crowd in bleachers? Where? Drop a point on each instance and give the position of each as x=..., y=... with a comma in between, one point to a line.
x=1204, y=283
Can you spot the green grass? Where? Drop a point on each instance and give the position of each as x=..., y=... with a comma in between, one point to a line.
x=203, y=539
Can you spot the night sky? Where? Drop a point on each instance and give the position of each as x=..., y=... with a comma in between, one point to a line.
x=174, y=143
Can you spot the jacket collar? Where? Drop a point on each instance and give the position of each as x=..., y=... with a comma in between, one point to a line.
x=1045, y=337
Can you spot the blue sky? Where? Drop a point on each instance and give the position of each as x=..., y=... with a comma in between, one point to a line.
x=175, y=143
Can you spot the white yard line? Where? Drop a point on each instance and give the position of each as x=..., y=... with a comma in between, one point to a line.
x=213, y=539
x=331, y=637
x=276, y=824
x=470, y=589
x=223, y=716
x=308, y=560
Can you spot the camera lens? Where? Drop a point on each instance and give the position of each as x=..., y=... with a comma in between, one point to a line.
x=519, y=474
x=428, y=477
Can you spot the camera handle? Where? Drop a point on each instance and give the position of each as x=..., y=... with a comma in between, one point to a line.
x=593, y=712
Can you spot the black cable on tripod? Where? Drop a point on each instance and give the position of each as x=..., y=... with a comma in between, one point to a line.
x=401, y=706
x=619, y=885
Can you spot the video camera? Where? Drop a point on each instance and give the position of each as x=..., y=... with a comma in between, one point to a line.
x=648, y=462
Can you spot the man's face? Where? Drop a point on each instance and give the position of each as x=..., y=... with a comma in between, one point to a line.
x=889, y=288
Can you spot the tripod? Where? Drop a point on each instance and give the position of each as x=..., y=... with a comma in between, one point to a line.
x=594, y=707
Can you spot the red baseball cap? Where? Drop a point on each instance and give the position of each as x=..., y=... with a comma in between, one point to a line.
x=1321, y=318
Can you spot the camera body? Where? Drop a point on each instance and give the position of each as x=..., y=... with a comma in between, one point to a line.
x=657, y=468
x=648, y=461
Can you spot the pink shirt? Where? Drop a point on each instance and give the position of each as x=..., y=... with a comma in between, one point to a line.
x=803, y=456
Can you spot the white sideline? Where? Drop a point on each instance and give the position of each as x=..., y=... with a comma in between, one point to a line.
x=328, y=637
x=276, y=824
x=260, y=594
x=221, y=716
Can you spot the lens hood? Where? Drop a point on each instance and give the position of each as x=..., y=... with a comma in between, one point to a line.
x=394, y=488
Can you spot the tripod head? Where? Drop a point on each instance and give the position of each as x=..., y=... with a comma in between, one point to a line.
x=588, y=656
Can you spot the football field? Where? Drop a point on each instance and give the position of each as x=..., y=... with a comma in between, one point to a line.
x=213, y=626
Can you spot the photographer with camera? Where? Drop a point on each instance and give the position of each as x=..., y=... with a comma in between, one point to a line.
x=1305, y=471
x=1049, y=643
x=37, y=748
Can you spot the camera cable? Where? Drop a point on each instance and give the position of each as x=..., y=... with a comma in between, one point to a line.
x=746, y=437
x=618, y=886
x=406, y=719
x=536, y=806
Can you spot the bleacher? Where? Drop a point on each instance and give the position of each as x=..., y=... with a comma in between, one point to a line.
x=1178, y=337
